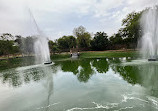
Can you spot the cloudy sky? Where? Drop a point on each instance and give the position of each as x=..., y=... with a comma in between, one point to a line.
x=59, y=17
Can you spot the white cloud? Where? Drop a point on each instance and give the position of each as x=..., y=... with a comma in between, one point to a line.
x=59, y=17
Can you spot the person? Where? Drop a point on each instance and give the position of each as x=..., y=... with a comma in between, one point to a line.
x=70, y=53
x=78, y=53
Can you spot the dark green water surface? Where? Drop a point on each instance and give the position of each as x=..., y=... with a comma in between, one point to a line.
x=114, y=84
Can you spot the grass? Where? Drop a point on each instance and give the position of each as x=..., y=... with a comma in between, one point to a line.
x=108, y=54
x=15, y=62
x=98, y=54
x=60, y=56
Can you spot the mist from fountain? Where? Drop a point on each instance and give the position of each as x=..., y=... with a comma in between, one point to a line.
x=41, y=48
x=149, y=40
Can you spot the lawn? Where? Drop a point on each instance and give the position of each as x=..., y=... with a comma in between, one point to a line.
x=98, y=54
x=108, y=54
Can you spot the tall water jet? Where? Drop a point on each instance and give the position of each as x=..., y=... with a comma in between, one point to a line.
x=41, y=49
x=149, y=41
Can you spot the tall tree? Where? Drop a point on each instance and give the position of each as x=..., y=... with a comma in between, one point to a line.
x=66, y=42
x=132, y=30
x=83, y=37
x=7, y=44
x=100, y=41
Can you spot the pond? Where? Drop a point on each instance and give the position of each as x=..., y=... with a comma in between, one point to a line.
x=102, y=84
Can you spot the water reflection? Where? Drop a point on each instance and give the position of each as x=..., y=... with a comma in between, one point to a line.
x=84, y=68
x=145, y=74
x=142, y=74
x=149, y=76
x=83, y=83
x=101, y=65
x=128, y=73
x=15, y=77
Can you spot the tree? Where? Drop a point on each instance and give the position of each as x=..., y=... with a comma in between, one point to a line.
x=116, y=41
x=7, y=36
x=132, y=29
x=29, y=44
x=100, y=41
x=19, y=42
x=26, y=44
x=83, y=37
x=72, y=42
x=7, y=45
x=66, y=42
x=53, y=46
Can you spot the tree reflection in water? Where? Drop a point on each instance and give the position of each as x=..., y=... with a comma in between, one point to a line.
x=84, y=68
x=17, y=78
x=145, y=75
x=149, y=74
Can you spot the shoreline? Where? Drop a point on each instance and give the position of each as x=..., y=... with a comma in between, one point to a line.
x=83, y=54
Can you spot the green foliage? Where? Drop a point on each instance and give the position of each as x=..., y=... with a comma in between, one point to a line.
x=53, y=46
x=104, y=54
x=100, y=41
x=18, y=40
x=7, y=45
x=84, y=40
x=126, y=37
x=101, y=65
x=66, y=42
x=26, y=44
x=83, y=37
x=116, y=39
x=132, y=28
x=60, y=56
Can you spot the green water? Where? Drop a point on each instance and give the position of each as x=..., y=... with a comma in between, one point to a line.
x=115, y=84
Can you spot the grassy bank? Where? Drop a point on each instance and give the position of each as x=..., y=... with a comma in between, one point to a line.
x=24, y=61
x=98, y=54
x=108, y=54
x=16, y=62
x=60, y=56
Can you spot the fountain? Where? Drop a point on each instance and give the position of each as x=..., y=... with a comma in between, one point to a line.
x=41, y=49
x=149, y=41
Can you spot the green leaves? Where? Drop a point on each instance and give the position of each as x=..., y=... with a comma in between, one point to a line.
x=132, y=25
x=83, y=37
x=66, y=42
x=100, y=41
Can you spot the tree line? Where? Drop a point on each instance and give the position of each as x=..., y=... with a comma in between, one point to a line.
x=125, y=38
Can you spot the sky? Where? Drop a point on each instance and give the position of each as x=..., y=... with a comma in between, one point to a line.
x=56, y=18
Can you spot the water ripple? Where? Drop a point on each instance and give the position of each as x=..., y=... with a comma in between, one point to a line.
x=98, y=106
x=47, y=106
